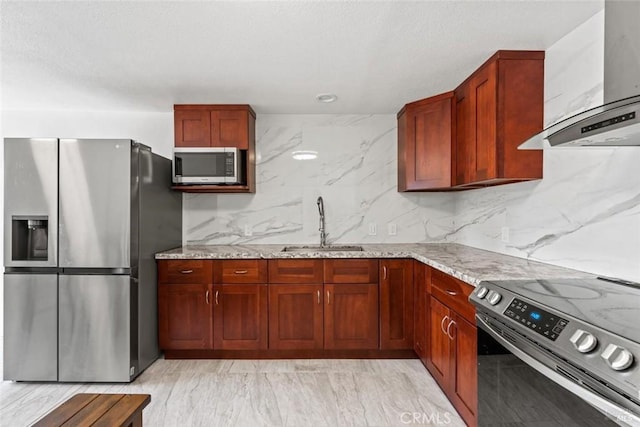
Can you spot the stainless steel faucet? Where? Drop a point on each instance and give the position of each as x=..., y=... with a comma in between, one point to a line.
x=323, y=234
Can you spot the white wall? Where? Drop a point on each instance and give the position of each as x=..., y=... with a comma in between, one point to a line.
x=585, y=213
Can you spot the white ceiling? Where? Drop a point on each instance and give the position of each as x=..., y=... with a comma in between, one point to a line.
x=276, y=56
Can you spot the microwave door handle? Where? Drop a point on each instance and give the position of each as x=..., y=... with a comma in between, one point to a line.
x=178, y=165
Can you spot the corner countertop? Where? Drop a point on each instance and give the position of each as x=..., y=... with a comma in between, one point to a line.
x=468, y=264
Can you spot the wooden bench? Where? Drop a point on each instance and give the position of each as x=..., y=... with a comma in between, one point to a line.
x=98, y=409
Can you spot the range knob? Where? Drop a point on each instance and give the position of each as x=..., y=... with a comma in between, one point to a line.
x=482, y=292
x=583, y=341
x=494, y=297
x=618, y=358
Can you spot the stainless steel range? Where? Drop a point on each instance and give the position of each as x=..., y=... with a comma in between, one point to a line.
x=582, y=334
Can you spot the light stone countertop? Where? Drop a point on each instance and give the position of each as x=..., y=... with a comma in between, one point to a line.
x=468, y=264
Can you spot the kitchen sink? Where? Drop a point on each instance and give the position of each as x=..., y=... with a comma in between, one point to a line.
x=329, y=248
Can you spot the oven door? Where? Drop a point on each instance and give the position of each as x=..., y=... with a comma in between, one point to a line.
x=521, y=384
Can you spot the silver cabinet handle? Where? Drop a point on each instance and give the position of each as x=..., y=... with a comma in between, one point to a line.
x=384, y=272
x=318, y=292
x=444, y=319
x=241, y=271
x=186, y=271
x=450, y=292
x=451, y=337
x=217, y=292
x=206, y=297
x=328, y=298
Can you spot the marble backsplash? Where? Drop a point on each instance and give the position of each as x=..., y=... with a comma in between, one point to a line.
x=355, y=173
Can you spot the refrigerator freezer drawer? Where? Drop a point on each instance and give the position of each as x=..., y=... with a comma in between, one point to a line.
x=95, y=329
x=30, y=327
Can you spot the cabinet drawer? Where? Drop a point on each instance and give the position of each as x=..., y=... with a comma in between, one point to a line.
x=185, y=271
x=351, y=271
x=240, y=271
x=295, y=271
x=454, y=293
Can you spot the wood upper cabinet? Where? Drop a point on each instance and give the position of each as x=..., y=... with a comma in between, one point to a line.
x=497, y=108
x=209, y=125
x=240, y=317
x=396, y=304
x=214, y=126
x=192, y=128
x=426, y=144
x=452, y=350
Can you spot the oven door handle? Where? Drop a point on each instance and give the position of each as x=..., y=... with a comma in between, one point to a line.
x=615, y=412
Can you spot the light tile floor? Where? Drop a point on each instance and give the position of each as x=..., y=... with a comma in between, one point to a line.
x=260, y=393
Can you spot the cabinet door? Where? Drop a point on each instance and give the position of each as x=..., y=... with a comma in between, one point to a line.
x=240, y=317
x=230, y=129
x=420, y=279
x=184, y=316
x=439, y=349
x=429, y=142
x=192, y=128
x=351, y=316
x=485, y=108
x=396, y=304
x=295, y=317
x=464, y=388
x=465, y=144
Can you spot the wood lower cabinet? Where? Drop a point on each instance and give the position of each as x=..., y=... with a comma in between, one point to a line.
x=452, y=353
x=195, y=314
x=184, y=316
x=421, y=277
x=240, y=317
x=351, y=316
x=464, y=390
x=295, y=316
x=396, y=304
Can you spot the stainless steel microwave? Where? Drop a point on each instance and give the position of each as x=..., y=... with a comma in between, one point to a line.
x=208, y=165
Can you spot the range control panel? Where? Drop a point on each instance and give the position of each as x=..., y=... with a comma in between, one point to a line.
x=546, y=324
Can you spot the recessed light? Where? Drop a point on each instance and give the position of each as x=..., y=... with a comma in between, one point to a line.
x=326, y=97
x=304, y=155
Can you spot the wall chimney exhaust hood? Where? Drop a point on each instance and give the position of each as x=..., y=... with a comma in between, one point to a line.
x=617, y=122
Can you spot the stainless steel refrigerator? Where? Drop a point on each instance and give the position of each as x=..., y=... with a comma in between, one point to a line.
x=82, y=222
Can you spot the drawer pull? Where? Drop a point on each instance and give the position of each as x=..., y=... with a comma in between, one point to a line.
x=186, y=271
x=241, y=271
x=206, y=296
x=452, y=293
x=318, y=296
x=384, y=272
x=444, y=319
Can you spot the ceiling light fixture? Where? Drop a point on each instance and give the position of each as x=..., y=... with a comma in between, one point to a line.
x=304, y=154
x=326, y=98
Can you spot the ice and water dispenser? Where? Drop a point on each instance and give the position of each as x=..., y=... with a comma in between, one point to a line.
x=30, y=238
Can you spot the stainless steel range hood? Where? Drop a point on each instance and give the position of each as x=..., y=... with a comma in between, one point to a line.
x=617, y=122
